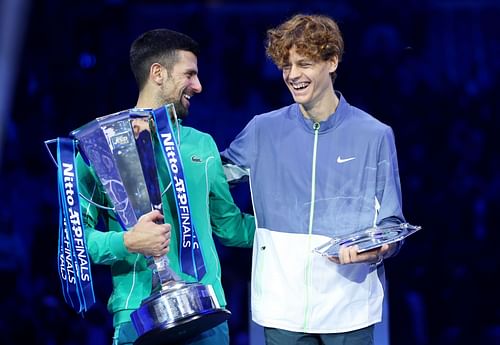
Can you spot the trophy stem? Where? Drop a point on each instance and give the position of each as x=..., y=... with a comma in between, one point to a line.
x=162, y=273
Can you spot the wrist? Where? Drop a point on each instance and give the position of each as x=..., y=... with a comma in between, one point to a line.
x=117, y=244
x=127, y=241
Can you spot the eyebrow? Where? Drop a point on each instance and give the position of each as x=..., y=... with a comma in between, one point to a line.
x=191, y=70
x=305, y=59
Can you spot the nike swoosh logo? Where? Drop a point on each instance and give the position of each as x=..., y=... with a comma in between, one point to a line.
x=343, y=160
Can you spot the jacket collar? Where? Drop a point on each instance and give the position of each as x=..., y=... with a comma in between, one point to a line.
x=332, y=122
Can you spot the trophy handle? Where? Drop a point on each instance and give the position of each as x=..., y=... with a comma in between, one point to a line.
x=47, y=142
x=51, y=141
x=166, y=188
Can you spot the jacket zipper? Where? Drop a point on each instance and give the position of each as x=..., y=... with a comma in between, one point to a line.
x=316, y=126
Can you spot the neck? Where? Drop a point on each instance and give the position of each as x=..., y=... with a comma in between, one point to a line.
x=321, y=111
x=145, y=101
x=148, y=99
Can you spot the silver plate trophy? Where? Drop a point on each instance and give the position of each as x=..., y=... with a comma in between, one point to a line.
x=119, y=148
x=368, y=239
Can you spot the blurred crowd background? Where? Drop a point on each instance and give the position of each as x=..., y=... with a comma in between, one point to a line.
x=428, y=68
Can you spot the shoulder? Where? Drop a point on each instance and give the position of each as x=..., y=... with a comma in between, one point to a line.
x=276, y=115
x=196, y=133
x=278, y=112
x=367, y=123
x=198, y=137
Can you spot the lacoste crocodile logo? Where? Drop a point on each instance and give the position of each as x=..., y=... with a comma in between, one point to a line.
x=196, y=159
x=343, y=160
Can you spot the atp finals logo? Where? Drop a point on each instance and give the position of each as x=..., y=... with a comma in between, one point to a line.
x=82, y=265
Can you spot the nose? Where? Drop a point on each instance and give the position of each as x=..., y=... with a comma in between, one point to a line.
x=293, y=72
x=196, y=85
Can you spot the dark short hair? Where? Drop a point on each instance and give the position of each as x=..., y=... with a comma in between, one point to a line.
x=161, y=46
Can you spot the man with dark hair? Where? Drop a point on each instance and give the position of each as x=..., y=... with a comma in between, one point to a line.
x=164, y=63
x=319, y=168
x=164, y=49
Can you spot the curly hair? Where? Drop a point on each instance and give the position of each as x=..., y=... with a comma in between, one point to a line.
x=317, y=37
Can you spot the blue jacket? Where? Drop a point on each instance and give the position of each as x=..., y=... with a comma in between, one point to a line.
x=310, y=182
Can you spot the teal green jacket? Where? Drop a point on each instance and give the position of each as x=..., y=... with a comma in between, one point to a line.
x=213, y=211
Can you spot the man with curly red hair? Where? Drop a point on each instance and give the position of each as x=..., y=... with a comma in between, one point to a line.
x=319, y=168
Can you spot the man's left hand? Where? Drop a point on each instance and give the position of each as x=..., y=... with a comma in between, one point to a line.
x=350, y=255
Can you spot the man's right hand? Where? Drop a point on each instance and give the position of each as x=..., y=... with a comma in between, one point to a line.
x=149, y=236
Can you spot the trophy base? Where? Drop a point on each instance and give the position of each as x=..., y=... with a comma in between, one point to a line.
x=176, y=313
x=182, y=330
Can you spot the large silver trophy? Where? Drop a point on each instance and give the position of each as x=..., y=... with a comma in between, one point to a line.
x=368, y=239
x=119, y=148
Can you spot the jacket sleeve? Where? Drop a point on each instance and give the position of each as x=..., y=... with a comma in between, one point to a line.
x=388, y=189
x=104, y=247
x=242, y=151
x=229, y=224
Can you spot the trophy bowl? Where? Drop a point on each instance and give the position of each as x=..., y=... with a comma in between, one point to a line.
x=368, y=239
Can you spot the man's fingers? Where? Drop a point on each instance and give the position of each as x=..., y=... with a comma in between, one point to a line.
x=153, y=216
x=167, y=228
x=373, y=255
x=384, y=249
x=334, y=259
x=348, y=255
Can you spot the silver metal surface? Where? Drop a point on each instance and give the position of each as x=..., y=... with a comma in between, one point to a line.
x=368, y=239
x=172, y=304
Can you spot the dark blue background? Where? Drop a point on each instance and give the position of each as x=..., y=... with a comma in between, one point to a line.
x=430, y=69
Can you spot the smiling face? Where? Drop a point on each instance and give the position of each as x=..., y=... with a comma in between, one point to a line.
x=308, y=48
x=181, y=83
x=309, y=81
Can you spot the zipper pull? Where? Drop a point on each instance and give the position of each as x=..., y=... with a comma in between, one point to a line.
x=316, y=126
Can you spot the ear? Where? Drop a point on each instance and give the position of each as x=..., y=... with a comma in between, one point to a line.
x=334, y=62
x=156, y=73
